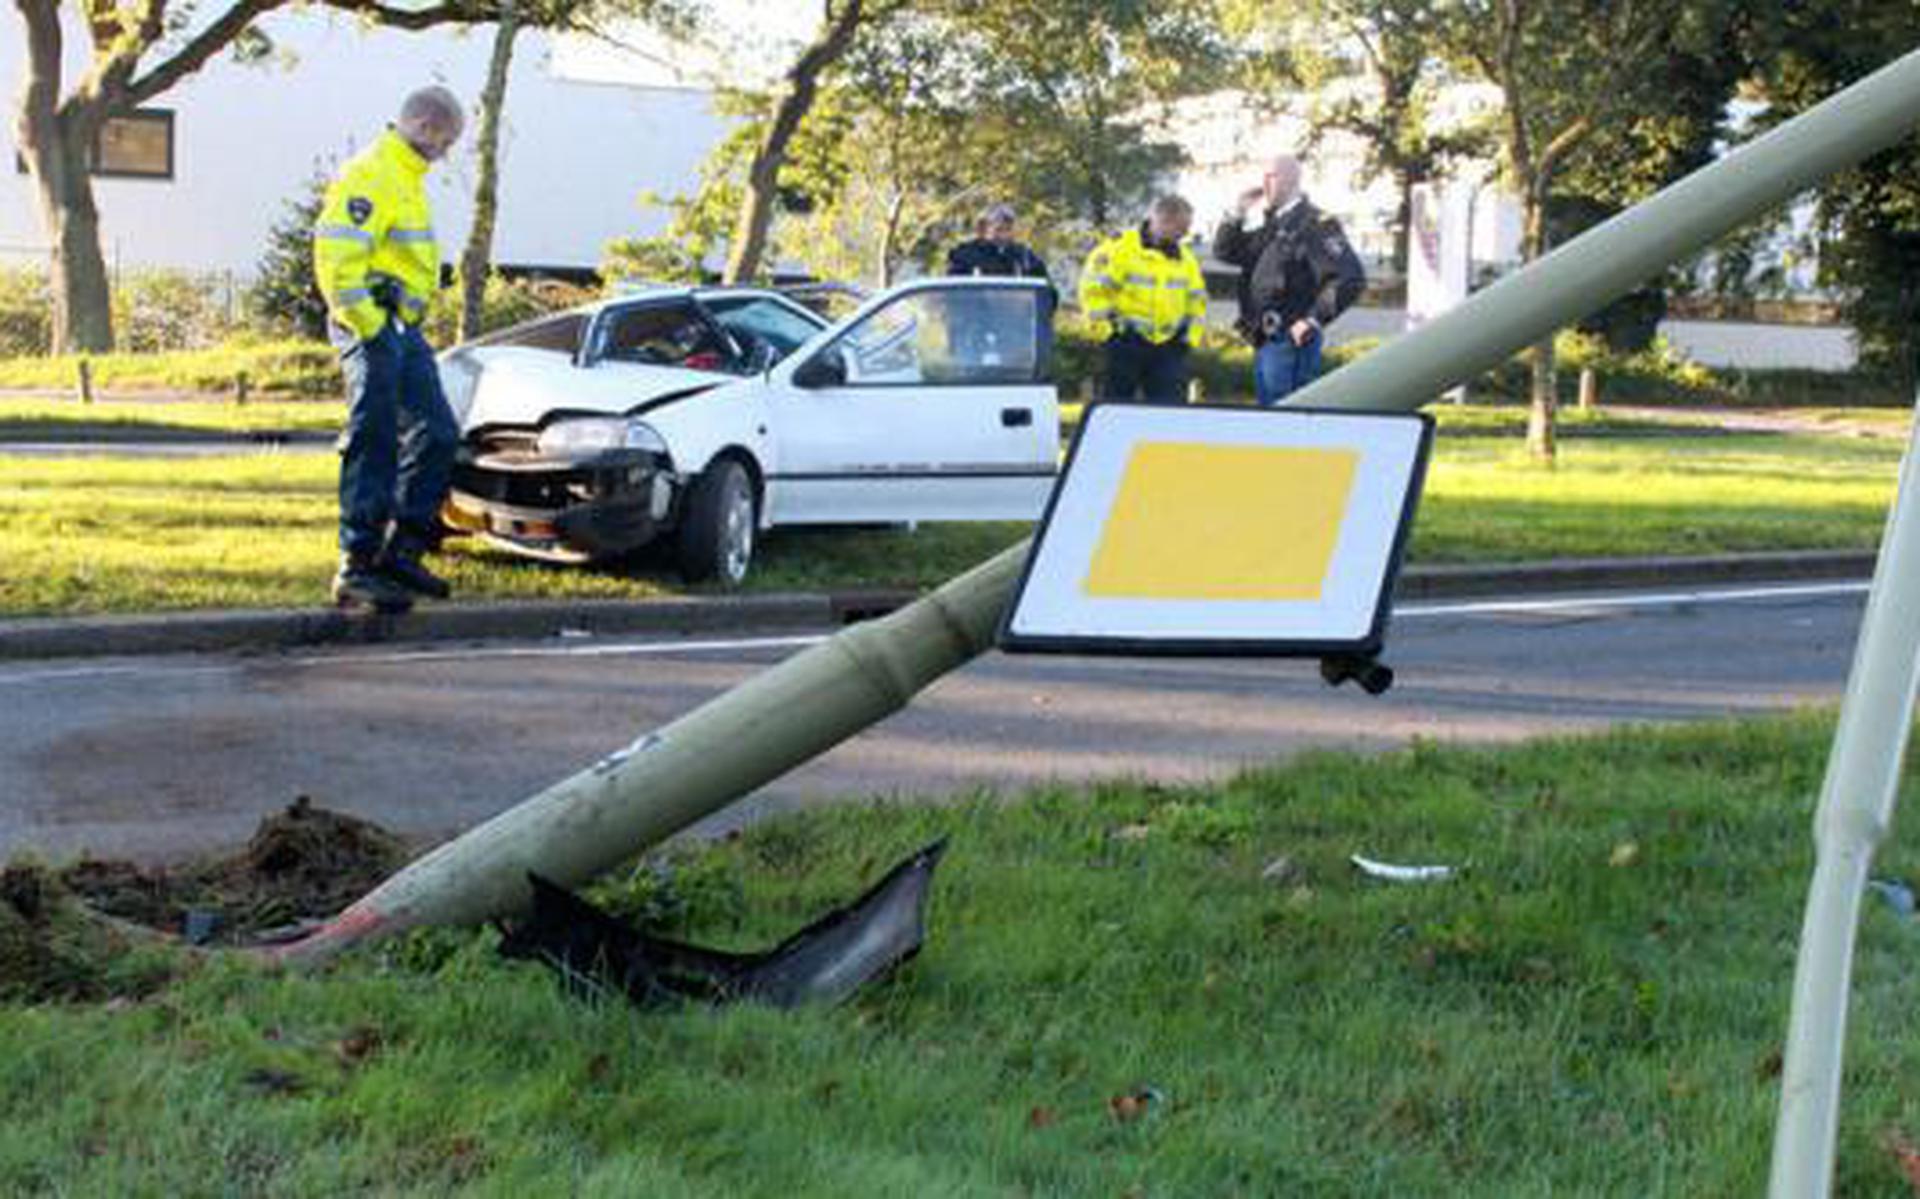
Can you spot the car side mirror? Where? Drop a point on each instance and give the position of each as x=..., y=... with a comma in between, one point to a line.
x=761, y=358
x=825, y=370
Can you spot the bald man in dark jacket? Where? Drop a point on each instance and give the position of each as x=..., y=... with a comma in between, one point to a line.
x=1297, y=273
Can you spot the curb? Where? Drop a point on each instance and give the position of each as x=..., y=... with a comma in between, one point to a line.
x=267, y=631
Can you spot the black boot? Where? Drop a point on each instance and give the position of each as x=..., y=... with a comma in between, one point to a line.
x=400, y=562
x=361, y=582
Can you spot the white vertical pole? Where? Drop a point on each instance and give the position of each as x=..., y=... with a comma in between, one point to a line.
x=1856, y=807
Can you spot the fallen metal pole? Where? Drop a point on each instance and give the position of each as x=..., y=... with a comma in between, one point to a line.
x=813, y=701
x=1856, y=809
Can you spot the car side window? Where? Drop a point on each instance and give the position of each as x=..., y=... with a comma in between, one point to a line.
x=953, y=336
x=663, y=335
x=755, y=321
x=560, y=334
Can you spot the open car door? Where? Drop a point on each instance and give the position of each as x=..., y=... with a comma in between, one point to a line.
x=931, y=402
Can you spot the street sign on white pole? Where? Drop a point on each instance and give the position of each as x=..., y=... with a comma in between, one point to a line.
x=1222, y=530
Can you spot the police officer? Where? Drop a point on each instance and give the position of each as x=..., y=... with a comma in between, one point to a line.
x=994, y=251
x=378, y=266
x=1297, y=273
x=1144, y=296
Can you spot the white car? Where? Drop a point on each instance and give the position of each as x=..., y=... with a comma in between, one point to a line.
x=709, y=414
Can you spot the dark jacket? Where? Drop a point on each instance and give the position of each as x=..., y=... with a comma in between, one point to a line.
x=984, y=256
x=1294, y=266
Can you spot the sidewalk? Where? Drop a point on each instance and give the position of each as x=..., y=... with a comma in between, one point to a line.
x=266, y=631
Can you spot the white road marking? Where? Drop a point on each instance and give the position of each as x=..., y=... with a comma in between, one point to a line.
x=1492, y=607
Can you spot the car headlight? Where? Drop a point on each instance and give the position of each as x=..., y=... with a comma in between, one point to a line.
x=570, y=438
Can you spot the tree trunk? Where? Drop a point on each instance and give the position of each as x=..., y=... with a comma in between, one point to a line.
x=1403, y=221
x=54, y=142
x=1541, y=412
x=763, y=176
x=82, y=299
x=889, y=233
x=477, y=259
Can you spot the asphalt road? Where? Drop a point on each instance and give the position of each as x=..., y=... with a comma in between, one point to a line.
x=161, y=757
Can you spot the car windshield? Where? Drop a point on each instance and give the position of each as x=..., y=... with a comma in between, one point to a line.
x=758, y=320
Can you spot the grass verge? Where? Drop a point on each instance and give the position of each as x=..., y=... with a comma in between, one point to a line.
x=25, y=419
x=307, y=368
x=1117, y=997
x=123, y=535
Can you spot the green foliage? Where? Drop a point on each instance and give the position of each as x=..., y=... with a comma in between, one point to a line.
x=284, y=297
x=1396, y=46
x=953, y=107
x=1869, y=217
x=1065, y=93
x=26, y=311
x=162, y=311
x=505, y=302
x=154, y=311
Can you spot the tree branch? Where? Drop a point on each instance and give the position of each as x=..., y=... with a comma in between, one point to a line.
x=192, y=56
x=114, y=61
x=1562, y=144
x=448, y=12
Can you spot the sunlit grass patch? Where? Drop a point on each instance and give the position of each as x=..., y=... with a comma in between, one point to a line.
x=1116, y=996
x=28, y=419
x=120, y=534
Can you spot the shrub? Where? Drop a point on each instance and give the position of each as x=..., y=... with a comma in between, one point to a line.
x=506, y=302
x=26, y=312
x=284, y=297
x=158, y=311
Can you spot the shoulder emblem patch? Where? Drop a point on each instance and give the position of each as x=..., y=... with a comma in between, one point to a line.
x=359, y=208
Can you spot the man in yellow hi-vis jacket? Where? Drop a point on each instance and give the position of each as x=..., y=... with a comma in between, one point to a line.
x=378, y=266
x=1143, y=293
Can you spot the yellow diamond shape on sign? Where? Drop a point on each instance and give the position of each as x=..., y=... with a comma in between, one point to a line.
x=1209, y=522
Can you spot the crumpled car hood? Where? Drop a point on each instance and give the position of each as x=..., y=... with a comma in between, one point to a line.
x=520, y=387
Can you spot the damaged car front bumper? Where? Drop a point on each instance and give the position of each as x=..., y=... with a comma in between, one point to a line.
x=570, y=507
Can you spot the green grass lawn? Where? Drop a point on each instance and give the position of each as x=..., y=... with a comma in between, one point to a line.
x=121, y=535
x=295, y=367
x=24, y=419
x=1595, y=1006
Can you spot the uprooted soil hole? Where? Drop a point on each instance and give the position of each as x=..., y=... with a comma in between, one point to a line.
x=97, y=928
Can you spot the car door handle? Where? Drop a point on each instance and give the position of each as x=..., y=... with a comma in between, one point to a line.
x=1016, y=418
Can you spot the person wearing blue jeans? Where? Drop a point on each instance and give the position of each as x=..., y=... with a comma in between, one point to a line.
x=396, y=452
x=1282, y=365
x=1297, y=274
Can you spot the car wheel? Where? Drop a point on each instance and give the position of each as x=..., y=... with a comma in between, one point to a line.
x=716, y=536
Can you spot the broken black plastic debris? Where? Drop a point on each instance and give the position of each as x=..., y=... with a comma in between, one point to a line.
x=824, y=962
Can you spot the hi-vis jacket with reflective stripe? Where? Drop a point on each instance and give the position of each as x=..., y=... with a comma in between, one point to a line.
x=374, y=226
x=1128, y=286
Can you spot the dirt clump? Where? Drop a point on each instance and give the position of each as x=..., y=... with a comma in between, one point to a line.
x=53, y=947
x=302, y=863
x=95, y=928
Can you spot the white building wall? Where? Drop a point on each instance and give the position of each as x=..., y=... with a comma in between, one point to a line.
x=575, y=155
